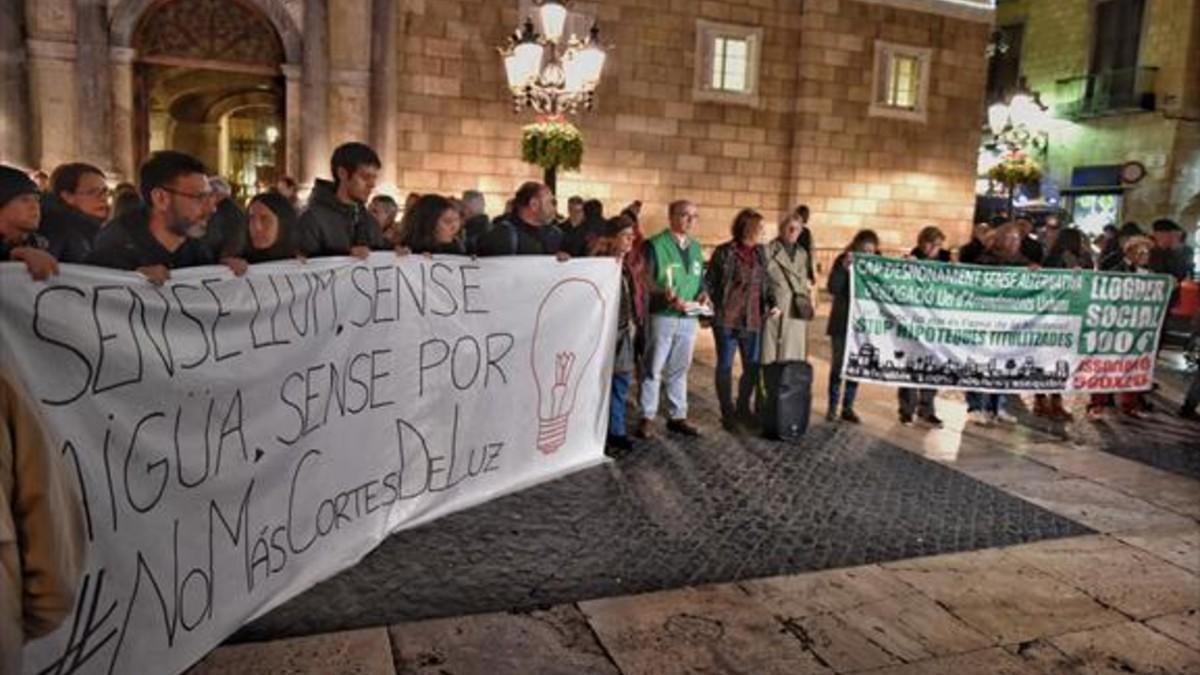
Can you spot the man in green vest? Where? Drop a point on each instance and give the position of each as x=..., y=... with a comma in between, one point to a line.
x=675, y=280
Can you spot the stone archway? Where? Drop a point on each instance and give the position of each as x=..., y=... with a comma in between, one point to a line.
x=225, y=48
x=128, y=14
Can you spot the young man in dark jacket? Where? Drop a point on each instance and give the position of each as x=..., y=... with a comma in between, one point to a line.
x=74, y=211
x=336, y=221
x=527, y=231
x=153, y=239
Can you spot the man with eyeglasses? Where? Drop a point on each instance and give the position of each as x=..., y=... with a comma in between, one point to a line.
x=154, y=239
x=74, y=211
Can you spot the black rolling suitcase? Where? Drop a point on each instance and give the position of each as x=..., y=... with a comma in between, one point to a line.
x=786, y=403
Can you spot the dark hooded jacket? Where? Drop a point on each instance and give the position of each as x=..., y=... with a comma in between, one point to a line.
x=330, y=227
x=126, y=244
x=514, y=236
x=226, y=231
x=70, y=232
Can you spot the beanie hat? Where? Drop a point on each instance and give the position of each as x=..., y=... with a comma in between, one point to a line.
x=14, y=183
x=1166, y=225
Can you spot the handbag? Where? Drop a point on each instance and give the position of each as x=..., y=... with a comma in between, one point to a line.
x=802, y=307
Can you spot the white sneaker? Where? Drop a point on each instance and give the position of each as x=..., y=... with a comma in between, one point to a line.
x=979, y=417
x=1005, y=417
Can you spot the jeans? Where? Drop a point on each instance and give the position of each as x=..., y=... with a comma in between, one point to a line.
x=835, y=379
x=616, y=403
x=917, y=402
x=731, y=341
x=989, y=403
x=668, y=358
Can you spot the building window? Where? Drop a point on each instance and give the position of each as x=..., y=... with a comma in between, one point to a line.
x=727, y=63
x=901, y=81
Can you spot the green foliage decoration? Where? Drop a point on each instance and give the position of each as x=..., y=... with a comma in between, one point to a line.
x=552, y=143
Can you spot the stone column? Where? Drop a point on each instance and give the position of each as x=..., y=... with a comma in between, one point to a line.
x=293, y=95
x=92, y=67
x=14, y=112
x=350, y=36
x=349, y=106
x=121, y=105
x=54, y=103
x=315, y=92
x=384, y=52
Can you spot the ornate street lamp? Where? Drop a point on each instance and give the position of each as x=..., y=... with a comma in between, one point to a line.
x=1019, y=123
x=554, y=75
x=548, y=74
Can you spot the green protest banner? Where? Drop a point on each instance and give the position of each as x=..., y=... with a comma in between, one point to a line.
x=1002, y=329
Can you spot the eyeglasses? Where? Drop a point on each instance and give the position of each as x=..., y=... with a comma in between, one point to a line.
x=97, y=192
x=198, y=196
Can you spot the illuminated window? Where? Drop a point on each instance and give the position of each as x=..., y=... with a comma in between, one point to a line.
x=727, y=63
x=901, y=81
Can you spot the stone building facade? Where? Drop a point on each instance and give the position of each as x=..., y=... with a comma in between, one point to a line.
x=1060, y=47
x=421, y=81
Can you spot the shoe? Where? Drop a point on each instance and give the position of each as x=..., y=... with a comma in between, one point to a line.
x=1041, y=407
x=1132, y=413
x=1189, y=414
x=979, y=417
x=831, y=415
x=849, y=415
x=729, y=424
x=1095, y=412
x=620, y=443
x=683, y=427
x=933, y=421
x=1060, y=414
x=906, y=420
x=1005, y=417
x=642, y=430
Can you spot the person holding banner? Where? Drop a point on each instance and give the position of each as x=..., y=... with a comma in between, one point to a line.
x=674, y=273
x=920, y=402
x=154, y=240
x=272, y=233
x=737, y=283
x=1069, y=252
x=865, y=242
x=1005, y=251
x=337, y=221
x=616, y=241
x=42, y=536
x=434, y=225
x=1137, y=260
x=20, y=212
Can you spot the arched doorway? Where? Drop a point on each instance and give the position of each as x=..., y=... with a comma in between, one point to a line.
x=207, y=81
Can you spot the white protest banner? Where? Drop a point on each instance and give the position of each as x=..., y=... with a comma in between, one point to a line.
x=1002, y=329
x=237, y=440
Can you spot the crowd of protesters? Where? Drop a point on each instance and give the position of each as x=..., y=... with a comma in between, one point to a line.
x=758, y=299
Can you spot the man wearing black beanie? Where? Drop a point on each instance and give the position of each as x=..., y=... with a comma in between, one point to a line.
x=20, y=211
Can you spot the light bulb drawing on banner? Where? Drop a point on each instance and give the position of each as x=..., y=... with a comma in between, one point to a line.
x=560, y=359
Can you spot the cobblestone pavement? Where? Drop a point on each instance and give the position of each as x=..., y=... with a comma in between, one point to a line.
x=674, y=513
